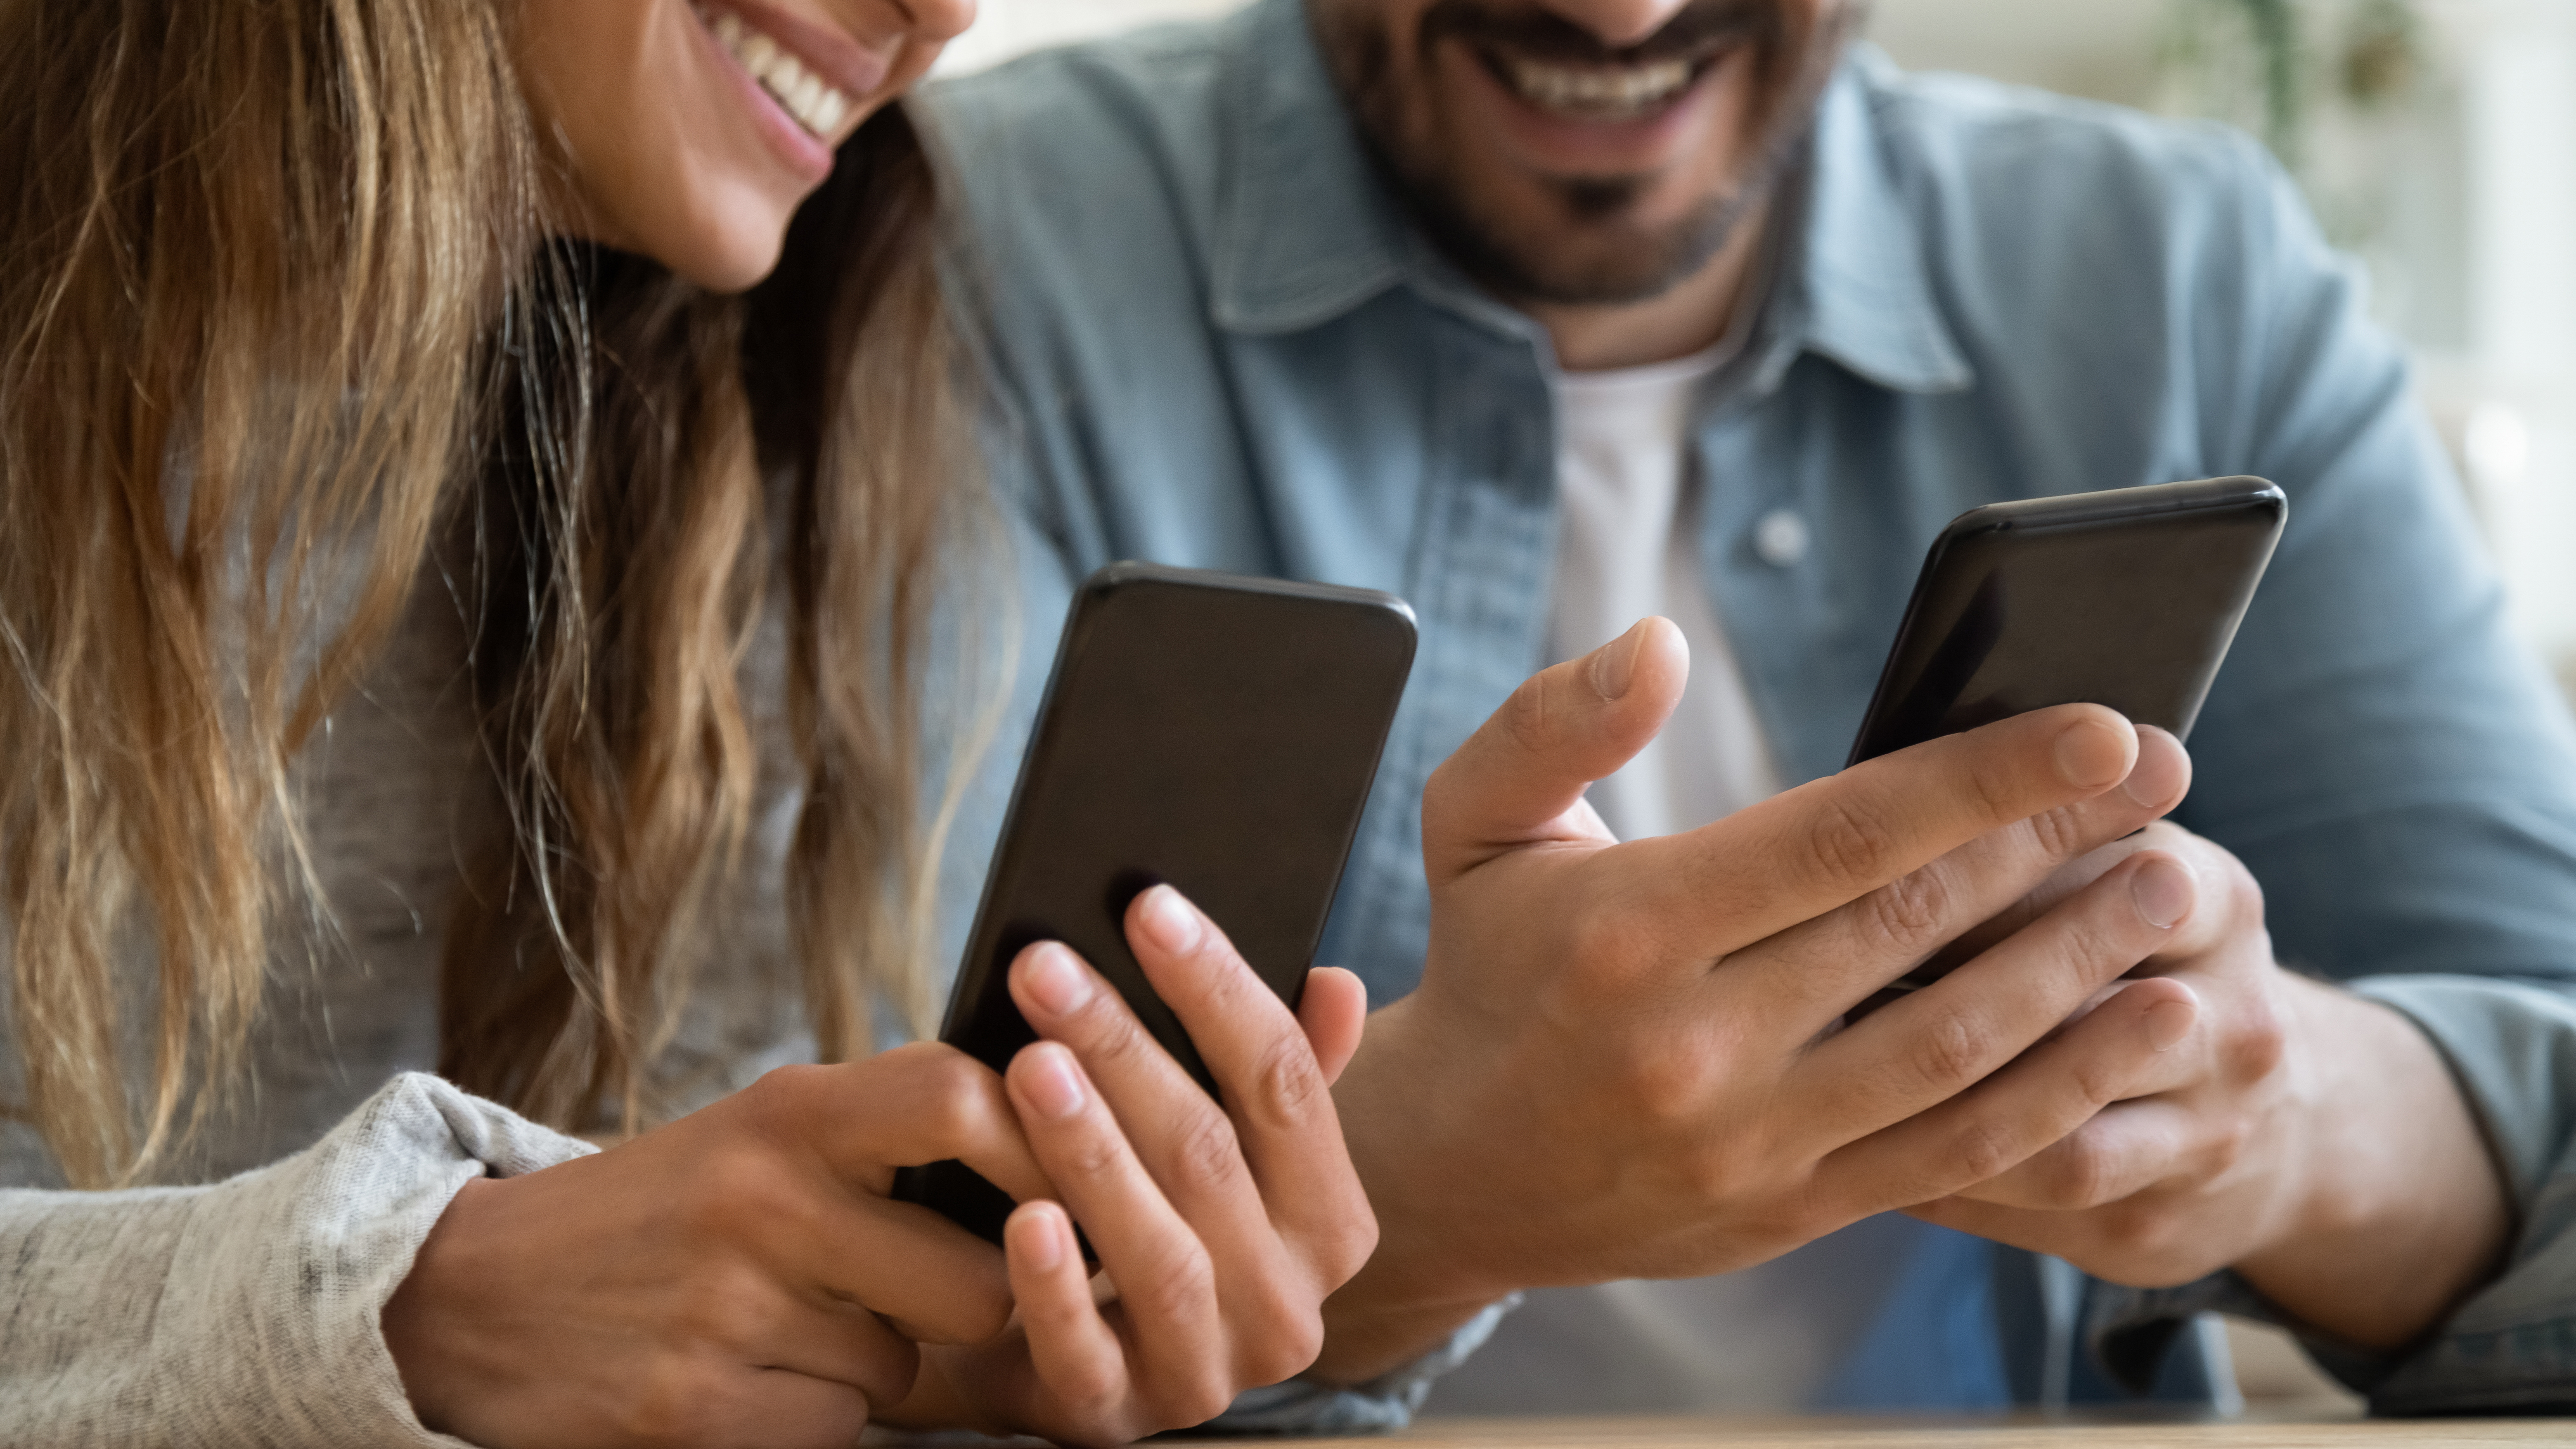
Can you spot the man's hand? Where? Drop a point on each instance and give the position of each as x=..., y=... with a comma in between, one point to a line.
x=2309, y=1138
x=1629, y=1060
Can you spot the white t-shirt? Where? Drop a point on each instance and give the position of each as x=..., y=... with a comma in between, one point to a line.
x=1769, y=1338
x=1627, y=547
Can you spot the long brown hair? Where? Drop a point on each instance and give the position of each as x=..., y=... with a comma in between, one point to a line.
x=277, y=307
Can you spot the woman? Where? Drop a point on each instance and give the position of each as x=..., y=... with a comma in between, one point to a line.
x=480, y=481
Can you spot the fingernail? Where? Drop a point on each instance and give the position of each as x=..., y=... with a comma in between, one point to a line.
x=2160, y=773
x=2168, y=1022
x=1041, y=1241
x=1614, y=665
x=1056, y=981
x=2163, y=890
x=1050, y=1083
x=1170, y=922
x=2091, y=754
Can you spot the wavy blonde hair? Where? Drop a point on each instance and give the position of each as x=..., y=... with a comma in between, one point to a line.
x=278, y=307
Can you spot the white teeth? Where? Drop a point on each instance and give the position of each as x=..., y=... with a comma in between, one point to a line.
x=1598, y=93
x=815, y=103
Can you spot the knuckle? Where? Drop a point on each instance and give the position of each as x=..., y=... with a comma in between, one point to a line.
x=2143, y=1234
x=780, y=1097
x=742, y=1192
x=1092, y=1390
x=2060, y=834
x=1948, y=1053
x=1294, y=1340
x=2079, y=1176
x=2261, y=1040
x=1179, y=1287
x=1906, y=914
x=1600, y=935
x=1984, y=1151
x=2100, y=1079
x=672, y=1406
x=1524, y=717
x=1664, y=1087
x=1351, y=1242
x=1288, y=1082
x=1849, y=846
x=1112, y=1039
x=1093, y=1156
x=960, y=1097
x=1711, y=1175
x=1994, y=786
x=1207, y=1159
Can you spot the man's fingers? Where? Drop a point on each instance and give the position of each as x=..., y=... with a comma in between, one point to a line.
x=2112, y=1054
x=1516, y=779
x=1820, y=969
x=1936, y=1043
x=1801, y=854
x=2126, y=1149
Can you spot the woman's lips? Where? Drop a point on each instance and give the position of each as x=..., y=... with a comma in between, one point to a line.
x=829, y=54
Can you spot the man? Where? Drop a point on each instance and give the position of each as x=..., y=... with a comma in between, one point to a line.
x=1554, y=313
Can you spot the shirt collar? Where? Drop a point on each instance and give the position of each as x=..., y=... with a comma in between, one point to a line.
x=1306, y=232
x=1856, y=286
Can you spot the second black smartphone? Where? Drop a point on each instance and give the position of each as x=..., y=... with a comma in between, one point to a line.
x=2127, y=598
x=1208, y=731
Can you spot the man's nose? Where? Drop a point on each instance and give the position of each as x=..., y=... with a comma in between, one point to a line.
x=1618, y=23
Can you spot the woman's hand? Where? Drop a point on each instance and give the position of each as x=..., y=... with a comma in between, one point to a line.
x=737, y=1277
x=1220, y=1228
x=741, y=1276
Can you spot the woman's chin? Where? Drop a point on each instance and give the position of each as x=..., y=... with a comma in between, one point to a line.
x=735, y=261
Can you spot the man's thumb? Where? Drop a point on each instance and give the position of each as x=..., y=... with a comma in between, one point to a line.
x=1518, y=777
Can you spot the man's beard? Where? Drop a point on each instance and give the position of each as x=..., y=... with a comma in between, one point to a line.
x=1623, y=261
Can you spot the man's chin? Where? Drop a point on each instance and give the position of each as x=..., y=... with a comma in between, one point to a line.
x=1592, y=243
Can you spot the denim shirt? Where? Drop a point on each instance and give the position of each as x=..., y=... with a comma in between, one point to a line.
x=1215, y=341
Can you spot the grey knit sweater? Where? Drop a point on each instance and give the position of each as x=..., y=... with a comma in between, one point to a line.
x=238, y=1305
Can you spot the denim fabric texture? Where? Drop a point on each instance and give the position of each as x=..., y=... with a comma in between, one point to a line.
x=1215, y=341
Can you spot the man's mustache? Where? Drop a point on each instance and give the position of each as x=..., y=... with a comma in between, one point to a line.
x=1697, y=31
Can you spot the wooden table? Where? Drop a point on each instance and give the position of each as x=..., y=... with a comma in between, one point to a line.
x=1901, y=1433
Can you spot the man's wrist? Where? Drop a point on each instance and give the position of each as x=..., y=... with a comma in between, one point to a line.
x=1419, y=1287
x=2401, y=1212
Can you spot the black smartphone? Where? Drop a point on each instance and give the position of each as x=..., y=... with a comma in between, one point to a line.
x=2126, y=598
x=1208, y=731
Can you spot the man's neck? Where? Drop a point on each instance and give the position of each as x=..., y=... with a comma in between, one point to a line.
x=1691, y=316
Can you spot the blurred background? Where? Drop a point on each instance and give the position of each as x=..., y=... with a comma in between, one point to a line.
x=2435, y=138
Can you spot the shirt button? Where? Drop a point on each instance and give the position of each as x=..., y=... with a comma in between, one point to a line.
x=1781, y=539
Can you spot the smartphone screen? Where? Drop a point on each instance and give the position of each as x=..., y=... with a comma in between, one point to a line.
x=1208, y=731
x=2127, y=598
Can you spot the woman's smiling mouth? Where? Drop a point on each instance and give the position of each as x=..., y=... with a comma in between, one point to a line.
x=814, y=103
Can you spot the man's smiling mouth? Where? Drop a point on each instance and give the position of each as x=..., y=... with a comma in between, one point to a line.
x=815, y=103
x=1597, y=93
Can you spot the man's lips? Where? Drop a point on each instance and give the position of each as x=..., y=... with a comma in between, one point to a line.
x=1618, y=93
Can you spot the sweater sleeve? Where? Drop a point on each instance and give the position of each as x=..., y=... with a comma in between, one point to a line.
x=245, y=1312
